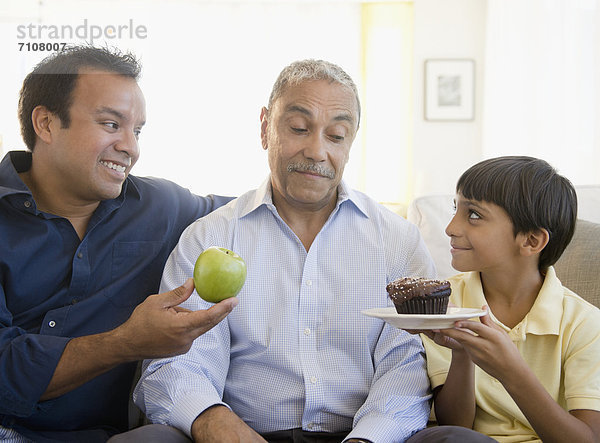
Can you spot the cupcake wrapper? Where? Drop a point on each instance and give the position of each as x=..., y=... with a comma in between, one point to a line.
x=424, y=305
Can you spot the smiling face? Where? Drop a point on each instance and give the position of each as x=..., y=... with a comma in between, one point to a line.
x=308, y=133
x=482, y=237
x=89, y=160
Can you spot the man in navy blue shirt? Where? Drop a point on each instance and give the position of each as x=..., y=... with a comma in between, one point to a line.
x=82, y=245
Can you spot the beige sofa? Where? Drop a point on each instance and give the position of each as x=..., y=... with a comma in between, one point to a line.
x=578, y=268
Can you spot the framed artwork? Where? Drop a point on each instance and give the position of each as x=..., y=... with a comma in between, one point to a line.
x=449, y=89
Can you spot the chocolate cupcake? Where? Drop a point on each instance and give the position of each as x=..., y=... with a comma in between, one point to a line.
x=419, y=295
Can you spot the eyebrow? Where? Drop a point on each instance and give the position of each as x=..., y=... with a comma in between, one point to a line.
x=107, y=110
x=346, y=117
x=478, y=207
x=300, y=109
x=112, y=111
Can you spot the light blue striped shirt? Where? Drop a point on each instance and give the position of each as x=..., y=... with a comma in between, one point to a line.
x=296, y=351
x=8, y=435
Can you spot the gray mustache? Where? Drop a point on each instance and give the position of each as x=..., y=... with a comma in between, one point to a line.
x=311, y=167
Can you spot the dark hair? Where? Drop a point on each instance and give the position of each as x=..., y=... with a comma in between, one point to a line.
x=52, y=81
x=533, y=194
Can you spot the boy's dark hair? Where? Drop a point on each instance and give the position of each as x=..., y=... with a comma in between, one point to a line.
x=52, y=81
x=532, y=193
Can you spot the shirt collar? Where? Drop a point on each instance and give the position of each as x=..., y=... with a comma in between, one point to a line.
x=544, y=316
x=547, y=311
x=13, y=163
x=264, y=197
x=473, y=292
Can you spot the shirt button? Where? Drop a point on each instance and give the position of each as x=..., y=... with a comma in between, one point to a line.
x=313, y=380
x=79, y=255
x=307, y=331
x=308, y=282
x=27, y=204
x=51, y=323
x=310, y=425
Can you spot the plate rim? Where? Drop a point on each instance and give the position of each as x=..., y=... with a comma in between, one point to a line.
x=393, y=314
x=421, y=321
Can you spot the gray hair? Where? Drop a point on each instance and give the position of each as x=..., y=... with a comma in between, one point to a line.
x=308, y=70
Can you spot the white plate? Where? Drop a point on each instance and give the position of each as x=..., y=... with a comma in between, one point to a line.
x=419, y=321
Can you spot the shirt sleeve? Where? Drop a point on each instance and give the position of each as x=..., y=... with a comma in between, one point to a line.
x=205, y=204
x=438, y=361
x=398, y=402
x=188, y=207
x=27, y=363
x=174, y=391
x=582, y=365
x=216, y=201
x=419, y=261
x=439, y=357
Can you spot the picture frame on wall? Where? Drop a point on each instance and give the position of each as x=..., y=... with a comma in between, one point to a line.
x=449, y=89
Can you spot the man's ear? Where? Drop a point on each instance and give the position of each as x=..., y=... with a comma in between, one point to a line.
x=534, y=242
x=264, y=112
x=42, y=119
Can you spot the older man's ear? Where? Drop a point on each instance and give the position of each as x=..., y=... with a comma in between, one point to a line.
x=264, y=112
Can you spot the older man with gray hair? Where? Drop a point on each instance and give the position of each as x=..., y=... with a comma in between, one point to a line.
x=297, y=361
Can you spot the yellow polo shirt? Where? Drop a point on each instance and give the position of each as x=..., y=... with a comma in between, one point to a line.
x=559, y=338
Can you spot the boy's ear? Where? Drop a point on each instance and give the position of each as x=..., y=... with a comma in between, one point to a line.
x=534, y=242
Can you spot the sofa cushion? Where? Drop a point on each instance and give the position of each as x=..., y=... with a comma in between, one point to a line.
x=579, y=267
x=588, y=199
x=431, y=214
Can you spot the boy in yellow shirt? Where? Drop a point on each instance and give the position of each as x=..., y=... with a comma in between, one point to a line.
x=530, y=369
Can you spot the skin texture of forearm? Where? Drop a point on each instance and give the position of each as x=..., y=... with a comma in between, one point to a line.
x=455, y=401
x=551, y=422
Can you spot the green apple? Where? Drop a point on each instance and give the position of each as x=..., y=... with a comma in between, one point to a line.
x=219, y=274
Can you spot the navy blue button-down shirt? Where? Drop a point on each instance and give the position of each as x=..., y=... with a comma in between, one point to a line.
x=54, y=286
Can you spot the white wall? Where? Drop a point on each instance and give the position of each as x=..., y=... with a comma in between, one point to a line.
x=219, y=58
x=443, y=150
x=442, y=29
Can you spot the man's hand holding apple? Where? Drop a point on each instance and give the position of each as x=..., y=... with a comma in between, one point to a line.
x=158, y=327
